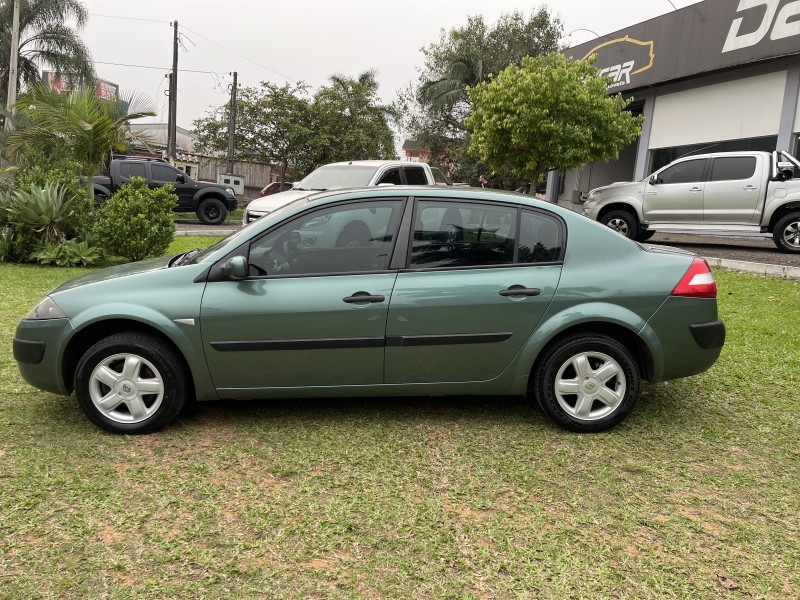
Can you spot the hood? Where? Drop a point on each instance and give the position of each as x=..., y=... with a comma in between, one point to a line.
x=275, y=201
x=616, y=185
x=143, y=266
x=208, y=184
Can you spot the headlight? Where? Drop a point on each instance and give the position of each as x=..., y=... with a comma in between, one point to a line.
x=46, y=309
x=230, y=191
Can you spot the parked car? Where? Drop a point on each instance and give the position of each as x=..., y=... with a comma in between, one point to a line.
x=352, y=174
x=708, y=193
x=274, y=188
x=210, y=201
x=452, y=291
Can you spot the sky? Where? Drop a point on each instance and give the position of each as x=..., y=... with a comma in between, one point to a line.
x=302, y=40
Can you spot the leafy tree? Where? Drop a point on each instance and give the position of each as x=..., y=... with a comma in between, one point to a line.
x=45, y=39
x=280, y=125
x=273, y=125
x=433, y=110
x=553, y=112
x=88, y=126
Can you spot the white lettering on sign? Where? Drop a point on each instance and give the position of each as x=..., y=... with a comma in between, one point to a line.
x=620, y=74
x=781, y=28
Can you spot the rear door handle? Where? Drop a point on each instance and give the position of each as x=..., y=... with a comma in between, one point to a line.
x=515, y=290
x=364, y=297
x=695, y=189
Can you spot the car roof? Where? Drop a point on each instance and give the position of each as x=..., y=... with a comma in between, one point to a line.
x=372, y=163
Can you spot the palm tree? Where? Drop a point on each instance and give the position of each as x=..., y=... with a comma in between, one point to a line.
x=45, y=40
x=89, y=126
x=451, y=89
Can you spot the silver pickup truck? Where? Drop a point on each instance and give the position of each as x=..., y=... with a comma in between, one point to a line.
x=708, y=193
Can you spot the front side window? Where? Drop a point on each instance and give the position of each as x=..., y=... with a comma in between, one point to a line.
x=688, y=171
x=164, y=173
x=461, y=234
x=392, y=177
x=350, y=238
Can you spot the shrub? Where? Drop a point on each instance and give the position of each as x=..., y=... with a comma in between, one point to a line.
x=67, y=253
x=44, y=210
x=6, y=242
x=137, y=222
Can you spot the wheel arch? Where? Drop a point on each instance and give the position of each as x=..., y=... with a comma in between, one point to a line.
x=84, y=338
x=782, y=211
x=620, y=205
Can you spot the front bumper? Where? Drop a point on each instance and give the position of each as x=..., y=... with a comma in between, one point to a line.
x=39, y=350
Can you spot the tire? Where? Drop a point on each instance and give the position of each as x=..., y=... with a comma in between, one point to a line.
x=99, y=199
x=622, y=222
x=212, y=211
x=645, y=234
x=127, y=362
x=354, y=235
x=786, y=234
x=587, y=383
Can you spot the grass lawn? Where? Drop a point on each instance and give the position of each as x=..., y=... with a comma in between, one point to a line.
x=696, y=495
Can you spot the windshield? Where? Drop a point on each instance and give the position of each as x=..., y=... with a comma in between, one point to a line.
x=334, y=177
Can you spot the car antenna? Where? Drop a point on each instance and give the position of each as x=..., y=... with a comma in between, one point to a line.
x=698, y=150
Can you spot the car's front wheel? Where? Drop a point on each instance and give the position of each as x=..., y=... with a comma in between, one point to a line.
x=212, y=211
x=622, y=222
x=786, y=234
x=131, y=383
x=587, y=382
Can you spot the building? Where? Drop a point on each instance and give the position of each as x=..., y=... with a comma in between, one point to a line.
x=719, y=75
x=157, y=135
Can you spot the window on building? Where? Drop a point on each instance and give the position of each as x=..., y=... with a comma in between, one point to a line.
x=661, y=157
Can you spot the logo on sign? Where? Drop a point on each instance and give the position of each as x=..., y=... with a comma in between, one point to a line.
x=779, y=24
x=637, y=56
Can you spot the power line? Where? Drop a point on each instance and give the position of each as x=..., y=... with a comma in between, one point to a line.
x=100, y=62
x=240, y=55
x=128, y=18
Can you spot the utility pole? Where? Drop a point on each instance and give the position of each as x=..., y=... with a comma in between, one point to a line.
x=13, y=63
x=173, y=95
x=232, y=124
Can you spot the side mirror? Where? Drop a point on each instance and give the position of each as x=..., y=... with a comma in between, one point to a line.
x=236, y=268
x=653, y=180
x=181, y=178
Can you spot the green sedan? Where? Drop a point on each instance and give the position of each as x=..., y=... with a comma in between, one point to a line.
x=402, y=291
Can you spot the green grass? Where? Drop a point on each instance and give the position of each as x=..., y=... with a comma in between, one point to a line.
x=696, y=493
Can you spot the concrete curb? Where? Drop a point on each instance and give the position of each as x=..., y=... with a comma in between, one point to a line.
x=766, y=270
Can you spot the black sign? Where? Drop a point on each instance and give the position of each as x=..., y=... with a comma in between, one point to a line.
x=703, y=37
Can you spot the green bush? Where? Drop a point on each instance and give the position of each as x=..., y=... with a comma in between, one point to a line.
x=67, y=253
x=44, y=210
x=6, y=242
x=56, y=167
x=136, y=222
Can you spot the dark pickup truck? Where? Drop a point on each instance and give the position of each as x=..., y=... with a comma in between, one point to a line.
x=210, y=201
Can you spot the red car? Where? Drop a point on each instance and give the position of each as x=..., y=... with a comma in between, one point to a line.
x=275, y=187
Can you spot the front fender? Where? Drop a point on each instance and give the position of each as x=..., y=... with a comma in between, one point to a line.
x=218, y=193
x=187, y=338
x=617, y=202
x=577, y=317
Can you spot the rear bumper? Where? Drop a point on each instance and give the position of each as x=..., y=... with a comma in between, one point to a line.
x=687, y=337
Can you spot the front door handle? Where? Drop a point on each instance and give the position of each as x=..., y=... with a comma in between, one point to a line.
x=364, y=297
x=749, y=188
x=695, y=189
x=518, y=290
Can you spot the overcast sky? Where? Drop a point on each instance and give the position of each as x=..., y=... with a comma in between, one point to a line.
x=302, y=40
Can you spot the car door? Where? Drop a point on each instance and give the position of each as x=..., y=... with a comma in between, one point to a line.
x=675, y=194
x=733, y=190
x=162, y=174
x=479, y=277
x=313, y=310
x=128, y=169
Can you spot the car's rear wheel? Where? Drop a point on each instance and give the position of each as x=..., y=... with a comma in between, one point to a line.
x=131, y=383
x=587, y=382
x=622, y=222
x=786, y=234
x=212, y=211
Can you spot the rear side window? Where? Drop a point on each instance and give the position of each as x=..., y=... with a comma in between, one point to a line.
x=688, y=171
x=415, y=176
x=541, y=238
x=461, y=234
x=132, y=169
x=392, y=177
x=731, y=168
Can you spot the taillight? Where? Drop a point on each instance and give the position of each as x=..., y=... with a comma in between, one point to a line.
x=697, y=282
